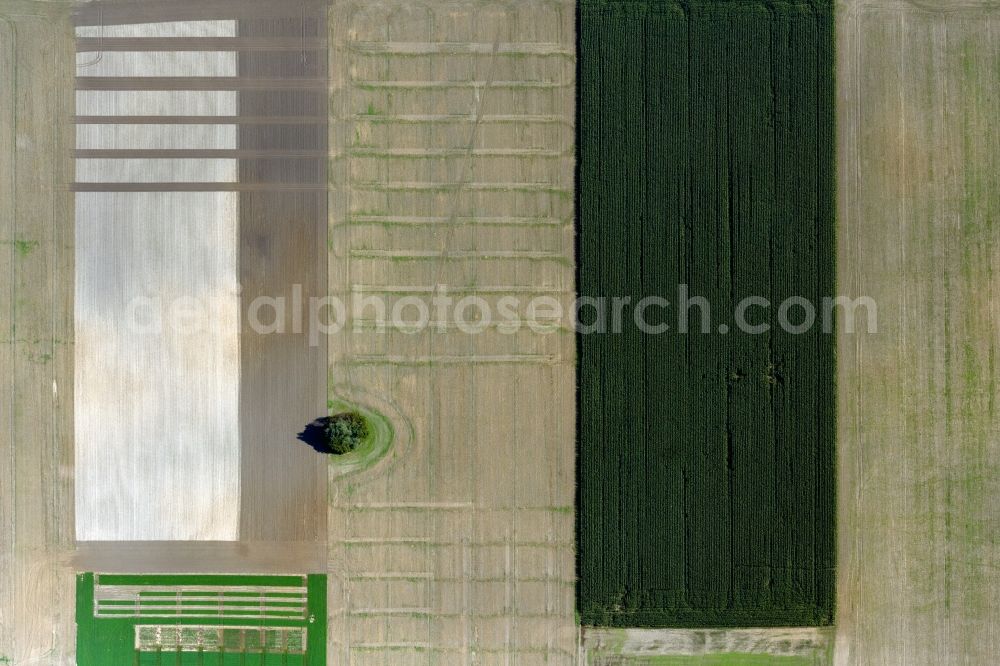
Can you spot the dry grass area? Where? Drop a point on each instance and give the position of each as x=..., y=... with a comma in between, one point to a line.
x=919, y=437
x=36, y=334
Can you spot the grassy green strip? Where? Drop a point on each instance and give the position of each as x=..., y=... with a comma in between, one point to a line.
x=199, y=579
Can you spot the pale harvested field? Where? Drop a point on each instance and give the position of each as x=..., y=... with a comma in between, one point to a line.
x=919, y=436
x=454, y=140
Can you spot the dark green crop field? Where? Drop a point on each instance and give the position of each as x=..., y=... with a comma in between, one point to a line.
x=706, y=458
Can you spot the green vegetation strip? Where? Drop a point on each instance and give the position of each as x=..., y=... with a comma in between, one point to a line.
x=111, y=640
x=200, y=580
x=706, y=460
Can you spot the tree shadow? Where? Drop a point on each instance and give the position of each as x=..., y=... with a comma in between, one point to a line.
x=315, y=435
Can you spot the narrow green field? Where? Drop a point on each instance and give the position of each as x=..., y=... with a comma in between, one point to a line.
x=706, y=459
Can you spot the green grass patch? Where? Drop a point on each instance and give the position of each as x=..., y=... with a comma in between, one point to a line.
x=375, y=445
x=111, y=640
x=23, y=249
